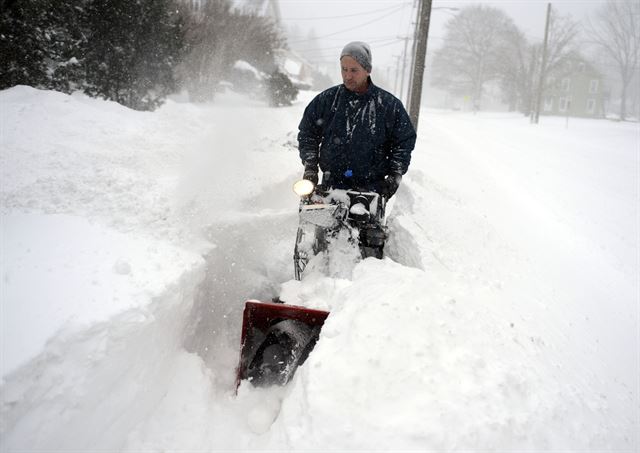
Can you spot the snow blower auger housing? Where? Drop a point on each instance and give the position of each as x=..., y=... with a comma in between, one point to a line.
x=325, y=212
x=276, y=339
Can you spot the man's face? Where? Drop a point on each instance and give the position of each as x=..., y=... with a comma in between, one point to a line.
x=354, y=76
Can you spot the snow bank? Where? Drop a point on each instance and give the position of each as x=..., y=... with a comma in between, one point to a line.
x=86, y=234
x=518, y=327
x=91, y=385
x=425, y=365
x=97, y=283
x=63, y=273
x=504, y=318
x=104, y=218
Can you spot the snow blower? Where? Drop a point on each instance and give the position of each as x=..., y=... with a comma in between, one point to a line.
x=277, y=338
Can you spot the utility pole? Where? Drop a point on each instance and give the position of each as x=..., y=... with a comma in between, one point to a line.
x=419, y=61
x=404, y=67
x=535, y=114
x=395, y=85
x=416, y=5
x=275, y=10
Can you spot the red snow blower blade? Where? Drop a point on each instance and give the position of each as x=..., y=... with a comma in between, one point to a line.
x=276, y=340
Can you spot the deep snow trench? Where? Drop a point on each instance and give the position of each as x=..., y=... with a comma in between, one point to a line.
x=251, y=258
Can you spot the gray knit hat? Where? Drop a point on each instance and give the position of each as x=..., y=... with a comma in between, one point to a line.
x=360, y=52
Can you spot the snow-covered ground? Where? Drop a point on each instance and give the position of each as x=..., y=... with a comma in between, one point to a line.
x=506, y=316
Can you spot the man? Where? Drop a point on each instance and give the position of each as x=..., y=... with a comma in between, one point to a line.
x=358, y=134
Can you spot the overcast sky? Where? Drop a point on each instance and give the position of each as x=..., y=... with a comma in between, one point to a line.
x=382, y=22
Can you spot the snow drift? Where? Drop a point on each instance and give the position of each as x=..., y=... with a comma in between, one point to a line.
x=505, y=316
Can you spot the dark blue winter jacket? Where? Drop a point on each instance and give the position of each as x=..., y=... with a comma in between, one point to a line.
x=358, y=138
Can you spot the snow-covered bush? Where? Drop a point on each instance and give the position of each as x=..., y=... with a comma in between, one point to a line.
x=116, y=49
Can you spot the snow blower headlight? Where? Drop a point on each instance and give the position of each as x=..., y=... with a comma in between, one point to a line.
x=303, y=187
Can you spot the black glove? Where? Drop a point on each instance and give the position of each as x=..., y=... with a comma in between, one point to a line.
x=311, y=174
x=390, y=185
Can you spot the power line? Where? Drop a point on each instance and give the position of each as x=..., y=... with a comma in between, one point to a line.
x=369, y=41
x=333, y=49
x=329, y=55
x=353, y=28
x=390, y=43
x=346, y=15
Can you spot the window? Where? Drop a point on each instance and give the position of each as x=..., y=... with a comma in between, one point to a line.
x=593, y=86
x=591, y=106
x=548, y=105
x=566, y=84
x=563, y=104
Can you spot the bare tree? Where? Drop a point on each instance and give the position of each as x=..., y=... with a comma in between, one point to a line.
x=617, y=31
x=516, y=72
x=563, y=31
x=520, y=69
x=475, y=43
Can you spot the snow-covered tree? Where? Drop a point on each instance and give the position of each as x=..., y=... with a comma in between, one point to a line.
x=132, y=50
x=218, y=37
x=118, y=49
x=475, y=42
x=41, y=43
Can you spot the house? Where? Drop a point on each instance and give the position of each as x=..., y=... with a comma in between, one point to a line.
x=577, y=90
x=297, y=68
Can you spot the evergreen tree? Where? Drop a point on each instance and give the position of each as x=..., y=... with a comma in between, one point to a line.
x=23, y=47
x=122, y=50
x=41, y=44
x=132, y=50
x=66, y=45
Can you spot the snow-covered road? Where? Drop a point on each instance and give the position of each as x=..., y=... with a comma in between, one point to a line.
x=505, y=317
